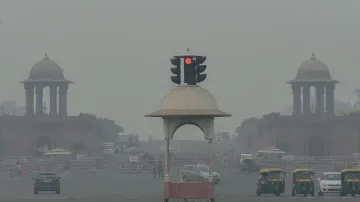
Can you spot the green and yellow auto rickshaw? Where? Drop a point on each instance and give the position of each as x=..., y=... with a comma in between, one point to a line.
x=303, y=182
x=350, y=182
x=271, y=181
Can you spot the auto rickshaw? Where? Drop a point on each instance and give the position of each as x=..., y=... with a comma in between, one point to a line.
x=249, y=165
x=303, y=182
x=350, y=182
x=271, y=181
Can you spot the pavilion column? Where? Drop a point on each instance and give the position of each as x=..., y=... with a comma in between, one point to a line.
x=63, y=100
x=320, y=91
x=29, y=93
x=296, y=99
x=330, y=99
x=53, y=100
x=39, y=99
x=306, y=99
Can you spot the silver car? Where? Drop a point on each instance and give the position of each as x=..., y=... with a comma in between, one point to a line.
x=198, y=173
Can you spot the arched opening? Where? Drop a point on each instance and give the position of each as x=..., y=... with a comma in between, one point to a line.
x=188, y=131
x=316, y=146
x=189, y=138
x=46, y=100
x=43, y=144
x=313, y=99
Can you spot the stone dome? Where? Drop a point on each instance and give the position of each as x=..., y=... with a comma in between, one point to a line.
x=189, y=101
x=313, y=70
x=46, y=69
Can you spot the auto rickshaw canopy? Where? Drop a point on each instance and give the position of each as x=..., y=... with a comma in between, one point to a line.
x=271, y=170
x=350, y=170
x=302, y=170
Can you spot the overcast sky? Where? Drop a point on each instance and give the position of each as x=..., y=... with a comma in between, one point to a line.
x=117, y=52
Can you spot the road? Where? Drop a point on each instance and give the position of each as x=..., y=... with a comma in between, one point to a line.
x=109, y=185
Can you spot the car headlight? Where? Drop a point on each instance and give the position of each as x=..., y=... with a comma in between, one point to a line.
x=324, y=185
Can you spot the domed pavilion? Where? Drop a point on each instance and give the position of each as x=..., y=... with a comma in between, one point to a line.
x=46, y=73
x=313, y=73
x=308, y=132
x=30, y=134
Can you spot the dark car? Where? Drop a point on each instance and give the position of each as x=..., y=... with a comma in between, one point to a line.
x=47, y=181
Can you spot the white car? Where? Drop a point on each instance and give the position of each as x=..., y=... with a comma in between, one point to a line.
x=329, y=182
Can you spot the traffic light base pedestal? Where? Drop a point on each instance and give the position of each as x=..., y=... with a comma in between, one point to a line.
x=189, y=190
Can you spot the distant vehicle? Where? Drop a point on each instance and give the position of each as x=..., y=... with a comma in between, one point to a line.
x=329, y=182
x=47, y=181
x=199, y=172
x=248, y=163
x=109, y=148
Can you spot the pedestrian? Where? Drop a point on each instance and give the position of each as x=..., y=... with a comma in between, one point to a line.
x=18, y=169
x=154, y=172
x=225, y=159
x=160, y=169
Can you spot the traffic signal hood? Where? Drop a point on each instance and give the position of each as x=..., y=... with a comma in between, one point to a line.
x=176, y=70
x=199, y=69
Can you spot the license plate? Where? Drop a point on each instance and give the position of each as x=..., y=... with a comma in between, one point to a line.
x=47, y=180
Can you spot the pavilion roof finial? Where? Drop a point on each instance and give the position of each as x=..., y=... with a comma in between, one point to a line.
x=46, y=57
x=313, y=57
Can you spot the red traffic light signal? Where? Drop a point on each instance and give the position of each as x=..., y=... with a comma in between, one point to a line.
x=188, y=61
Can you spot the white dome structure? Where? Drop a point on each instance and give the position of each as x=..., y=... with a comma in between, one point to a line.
x=189, y=101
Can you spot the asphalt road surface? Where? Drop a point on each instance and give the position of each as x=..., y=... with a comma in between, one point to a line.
x=110, y=185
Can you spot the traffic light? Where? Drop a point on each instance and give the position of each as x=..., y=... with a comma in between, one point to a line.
x=199, y=69
x=189, y=71
x=176, y=70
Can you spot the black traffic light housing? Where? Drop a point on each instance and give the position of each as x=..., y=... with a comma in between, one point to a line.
x=189, y=70
x=199, y=69
x=176, y=70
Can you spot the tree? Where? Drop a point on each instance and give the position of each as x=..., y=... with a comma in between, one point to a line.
x=77, y=146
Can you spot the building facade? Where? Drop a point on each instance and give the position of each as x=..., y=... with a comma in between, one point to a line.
x=24, y=135
x=317, y=132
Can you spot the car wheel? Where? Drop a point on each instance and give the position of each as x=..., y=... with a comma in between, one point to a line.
x=36, y=191
x=184, y=178
x=58, y=190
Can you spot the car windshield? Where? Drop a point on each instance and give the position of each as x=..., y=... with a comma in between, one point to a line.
x=108, y=147
x=248, y=161
x=332, y=177
x=303, y=175
x=47, y=175
x=352, y=175
x=275, y=175
x=123, y=137
x=204, y=168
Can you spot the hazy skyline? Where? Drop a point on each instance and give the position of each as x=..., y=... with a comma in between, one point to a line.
x=117, y=52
